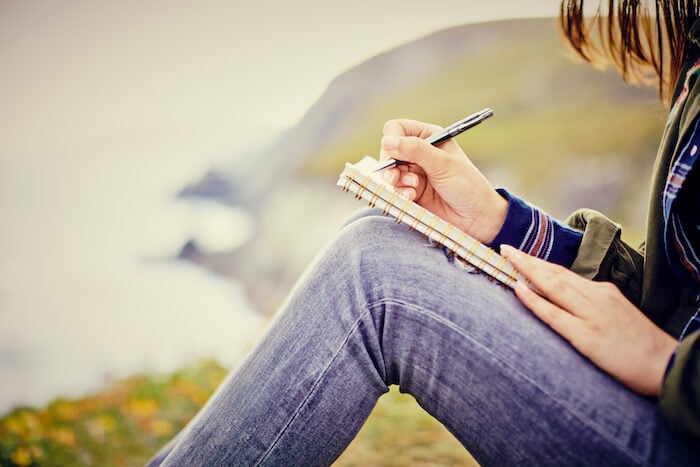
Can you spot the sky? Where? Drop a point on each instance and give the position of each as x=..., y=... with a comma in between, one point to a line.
x=108, y=108
x=77, y=73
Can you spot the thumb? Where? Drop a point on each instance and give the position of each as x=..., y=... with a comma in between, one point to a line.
x=413, y=149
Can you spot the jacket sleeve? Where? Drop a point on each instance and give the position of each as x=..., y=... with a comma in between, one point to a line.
x=536, y=233
x=603, y=256
x=679, y=401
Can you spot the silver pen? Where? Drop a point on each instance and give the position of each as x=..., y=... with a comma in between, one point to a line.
x=448, y=133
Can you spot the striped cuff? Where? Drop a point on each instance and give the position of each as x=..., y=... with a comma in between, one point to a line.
x=536, y=233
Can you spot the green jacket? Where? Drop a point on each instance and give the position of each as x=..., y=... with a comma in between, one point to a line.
x=643, y=274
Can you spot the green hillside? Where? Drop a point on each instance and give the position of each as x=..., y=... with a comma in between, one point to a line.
x=563, y=135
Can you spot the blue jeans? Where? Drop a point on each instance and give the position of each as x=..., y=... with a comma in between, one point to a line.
x=383, y=306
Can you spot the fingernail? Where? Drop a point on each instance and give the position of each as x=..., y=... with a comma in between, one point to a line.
x=389, y=176
x=409, y=179
x=506, y=250
x=406, y=193
x=390, y=143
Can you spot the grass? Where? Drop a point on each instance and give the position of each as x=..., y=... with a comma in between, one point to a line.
x=127, y=423
x=123, y=425
x=400, y=433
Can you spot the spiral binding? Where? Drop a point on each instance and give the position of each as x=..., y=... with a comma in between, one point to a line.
x=403, y=210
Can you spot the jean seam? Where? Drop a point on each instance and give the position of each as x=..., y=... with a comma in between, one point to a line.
x=316, y=384
x=596, y=427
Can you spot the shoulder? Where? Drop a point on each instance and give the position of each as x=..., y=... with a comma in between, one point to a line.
x=685, y=110
x=685, y=102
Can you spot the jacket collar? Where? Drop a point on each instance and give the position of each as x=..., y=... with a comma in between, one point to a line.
x=694, y=33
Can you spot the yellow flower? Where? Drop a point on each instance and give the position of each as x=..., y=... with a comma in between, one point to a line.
x=161, y=427
x=65, y=411
x=108, y=422
x=23, y=424
x=21, y=456
x=32, y=424
x=142, y=408
x=14, y=425
x=63, y=435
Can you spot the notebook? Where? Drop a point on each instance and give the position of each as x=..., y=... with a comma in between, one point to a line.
x=366, y=184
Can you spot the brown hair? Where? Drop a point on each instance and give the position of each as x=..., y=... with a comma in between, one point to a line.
x=644, y=46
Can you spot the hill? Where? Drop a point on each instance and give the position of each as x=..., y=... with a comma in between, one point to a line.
x=559, y=126
x=550, y=113
x=563, y=136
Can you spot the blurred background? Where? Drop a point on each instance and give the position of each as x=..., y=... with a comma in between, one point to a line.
x=167, y=169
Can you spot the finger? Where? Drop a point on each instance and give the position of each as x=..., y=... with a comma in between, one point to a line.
x=565, y=324
x=391, y=175
x=414, y=150
x=383, y=156
x=409, y=179
x=401, y=178
x=558, y=284
x=406, y=127
x=407, y=192
x=413, y=177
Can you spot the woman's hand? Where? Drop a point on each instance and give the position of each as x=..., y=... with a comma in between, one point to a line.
x=597, y=320
x=442, y=179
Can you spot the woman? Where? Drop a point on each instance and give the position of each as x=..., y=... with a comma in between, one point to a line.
x=602, y=368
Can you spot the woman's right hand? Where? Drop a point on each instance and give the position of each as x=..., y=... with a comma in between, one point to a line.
x=442, y=179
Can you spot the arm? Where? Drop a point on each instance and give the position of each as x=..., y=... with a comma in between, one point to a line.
x=606, y=325
x=597, y=320
x=444, y=181
x=603, y=256
x=531, y=230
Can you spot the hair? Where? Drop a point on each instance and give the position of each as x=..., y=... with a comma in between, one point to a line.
x=647, y=47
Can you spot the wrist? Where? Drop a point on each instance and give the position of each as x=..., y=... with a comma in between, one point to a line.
x=495, y=212
x=664, y=352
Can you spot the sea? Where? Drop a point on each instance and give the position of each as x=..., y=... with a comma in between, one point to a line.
x=90, y=287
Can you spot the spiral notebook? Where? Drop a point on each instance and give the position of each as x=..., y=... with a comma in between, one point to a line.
x=362, y=180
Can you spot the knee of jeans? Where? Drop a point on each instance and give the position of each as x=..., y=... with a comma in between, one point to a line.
x=373, y=242
x=367, y=228
x=365, y=255
x=361, y=214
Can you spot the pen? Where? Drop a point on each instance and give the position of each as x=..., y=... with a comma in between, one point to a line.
x=448, y=133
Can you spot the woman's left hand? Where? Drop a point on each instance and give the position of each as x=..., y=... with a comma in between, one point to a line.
x=597, y=320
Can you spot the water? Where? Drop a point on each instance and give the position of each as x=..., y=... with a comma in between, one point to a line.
x=109, y=109
x=88, y=292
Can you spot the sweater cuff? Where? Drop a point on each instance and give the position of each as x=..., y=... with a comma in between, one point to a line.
x=536, y=233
